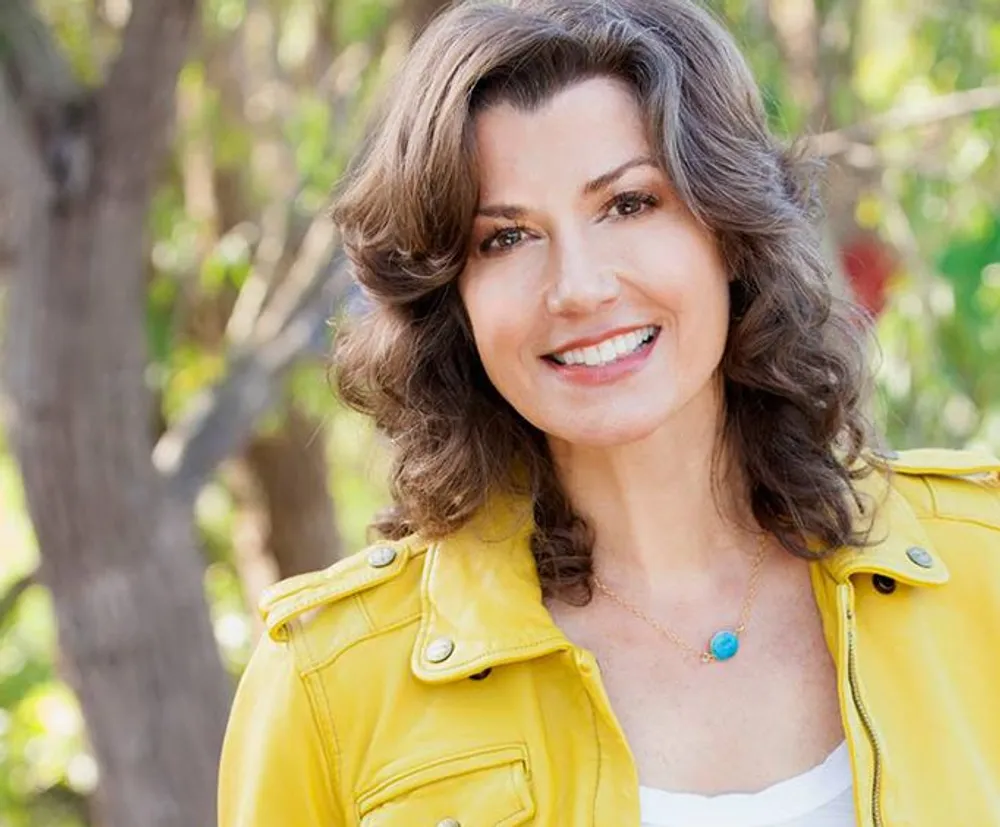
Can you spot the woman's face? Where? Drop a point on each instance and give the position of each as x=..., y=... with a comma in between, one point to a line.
x=599, y=305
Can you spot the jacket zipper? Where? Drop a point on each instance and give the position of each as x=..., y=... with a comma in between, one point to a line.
x=852, y=678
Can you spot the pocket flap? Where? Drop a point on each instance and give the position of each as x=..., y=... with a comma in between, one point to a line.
x=484, y=788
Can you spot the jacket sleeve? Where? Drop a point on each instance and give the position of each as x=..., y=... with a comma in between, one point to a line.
x=273, y=770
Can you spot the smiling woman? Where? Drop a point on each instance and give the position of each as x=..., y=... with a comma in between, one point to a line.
x=642, y=565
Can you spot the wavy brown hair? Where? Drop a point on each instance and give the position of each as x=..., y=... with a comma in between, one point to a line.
x=794, y=368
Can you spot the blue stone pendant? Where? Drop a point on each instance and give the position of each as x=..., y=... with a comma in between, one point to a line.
x=724, y=645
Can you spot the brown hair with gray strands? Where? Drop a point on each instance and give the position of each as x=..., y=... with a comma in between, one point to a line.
x=794, y=369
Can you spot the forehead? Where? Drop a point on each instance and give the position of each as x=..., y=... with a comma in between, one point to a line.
x=578, y=133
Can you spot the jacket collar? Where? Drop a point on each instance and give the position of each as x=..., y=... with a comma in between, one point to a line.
x=480, y=593
x=481, y=601
x=898, y=540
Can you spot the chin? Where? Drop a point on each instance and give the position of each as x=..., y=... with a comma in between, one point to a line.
x=607, y=431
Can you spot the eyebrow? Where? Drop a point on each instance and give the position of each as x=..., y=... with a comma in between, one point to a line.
x=511, y=211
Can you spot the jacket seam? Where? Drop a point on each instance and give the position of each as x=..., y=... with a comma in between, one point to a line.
x=600, y=758
x=944, y=518
x=333, y=656
x=322, y=721
x=935, y=511
x=426, y=619
x=364, y=611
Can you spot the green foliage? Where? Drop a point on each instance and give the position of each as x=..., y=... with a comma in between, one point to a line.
x=356, y=21
x=941, y=377
x=311, y=132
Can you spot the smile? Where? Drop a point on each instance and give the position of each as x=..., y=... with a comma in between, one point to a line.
x=609, y=351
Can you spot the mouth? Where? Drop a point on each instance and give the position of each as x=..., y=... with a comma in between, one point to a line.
x=607, y=352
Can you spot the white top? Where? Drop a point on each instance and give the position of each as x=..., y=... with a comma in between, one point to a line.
x=820, y=797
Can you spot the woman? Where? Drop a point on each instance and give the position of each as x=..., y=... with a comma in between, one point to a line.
x=642, y=566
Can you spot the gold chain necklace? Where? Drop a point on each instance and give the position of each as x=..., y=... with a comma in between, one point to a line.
x=725, y=643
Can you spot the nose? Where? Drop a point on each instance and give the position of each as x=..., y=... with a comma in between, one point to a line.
x=581, y=287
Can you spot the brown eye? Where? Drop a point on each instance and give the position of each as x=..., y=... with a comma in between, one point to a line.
x=631, y=203
x=502, y=240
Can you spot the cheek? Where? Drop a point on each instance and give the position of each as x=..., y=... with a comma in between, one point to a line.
x=475, y=304
x=694, y=290
x=705, y=320
x=498, y=317
x=486, y=326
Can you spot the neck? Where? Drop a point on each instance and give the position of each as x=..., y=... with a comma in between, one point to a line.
x=659, y=513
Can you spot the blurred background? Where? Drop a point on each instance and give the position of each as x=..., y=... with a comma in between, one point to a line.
x=169, y=278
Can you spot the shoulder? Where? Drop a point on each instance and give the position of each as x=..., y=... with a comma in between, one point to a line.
x=944, y=485
x=363, y=596
x=280, y=760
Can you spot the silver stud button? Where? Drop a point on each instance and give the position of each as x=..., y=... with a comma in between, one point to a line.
x=886, y=455
x=381, y=557
x=920, y=557
x=449, y=822
x=440, y=650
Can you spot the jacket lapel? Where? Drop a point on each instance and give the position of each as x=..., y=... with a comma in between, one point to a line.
x=481, y=598
x=899, y=546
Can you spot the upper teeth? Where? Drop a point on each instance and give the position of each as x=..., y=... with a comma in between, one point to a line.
x=607, y=351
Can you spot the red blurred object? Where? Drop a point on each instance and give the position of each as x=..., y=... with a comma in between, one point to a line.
x=869, y=264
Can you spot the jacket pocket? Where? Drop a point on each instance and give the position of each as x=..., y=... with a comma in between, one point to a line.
x=483, y=788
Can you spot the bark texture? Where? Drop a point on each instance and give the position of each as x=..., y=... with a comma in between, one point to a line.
x=117, y=550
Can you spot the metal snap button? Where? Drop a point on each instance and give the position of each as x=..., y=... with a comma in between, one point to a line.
x=381, y=557
x=440, y=650
x=883, y=584
x=920, y=557
x=449, y=822
x=887, y=454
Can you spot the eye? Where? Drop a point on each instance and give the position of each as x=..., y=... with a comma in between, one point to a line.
x=631, y=203
x=503, y=239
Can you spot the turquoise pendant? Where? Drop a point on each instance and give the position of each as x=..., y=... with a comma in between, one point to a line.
x=724, y=645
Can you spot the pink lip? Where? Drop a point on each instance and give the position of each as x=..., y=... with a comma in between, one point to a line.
x=605, y=374
x=587, y=341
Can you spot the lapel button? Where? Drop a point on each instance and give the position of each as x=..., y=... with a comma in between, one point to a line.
x=439, y=650
x=920, y=557
x=886, y=455
x=449, y=822
x=883, y=584
x=381, y=557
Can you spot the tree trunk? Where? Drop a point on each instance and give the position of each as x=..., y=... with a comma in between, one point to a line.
x=120, y=560
x=290, y=467
x=117, y=552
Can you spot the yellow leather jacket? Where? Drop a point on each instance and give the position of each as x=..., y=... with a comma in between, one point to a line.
x=426, y=684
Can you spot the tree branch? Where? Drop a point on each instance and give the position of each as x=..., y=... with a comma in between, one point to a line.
x=937, y=110
x=39, y=73
x=136, y=105
x=36, y=85
x=275, y=322
x=219, y=421
x=310, y=269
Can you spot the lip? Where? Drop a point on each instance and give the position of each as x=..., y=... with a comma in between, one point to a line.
x=587, y=376
x=597, y=338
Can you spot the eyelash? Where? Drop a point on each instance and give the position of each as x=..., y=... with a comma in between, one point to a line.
x=632, y=196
